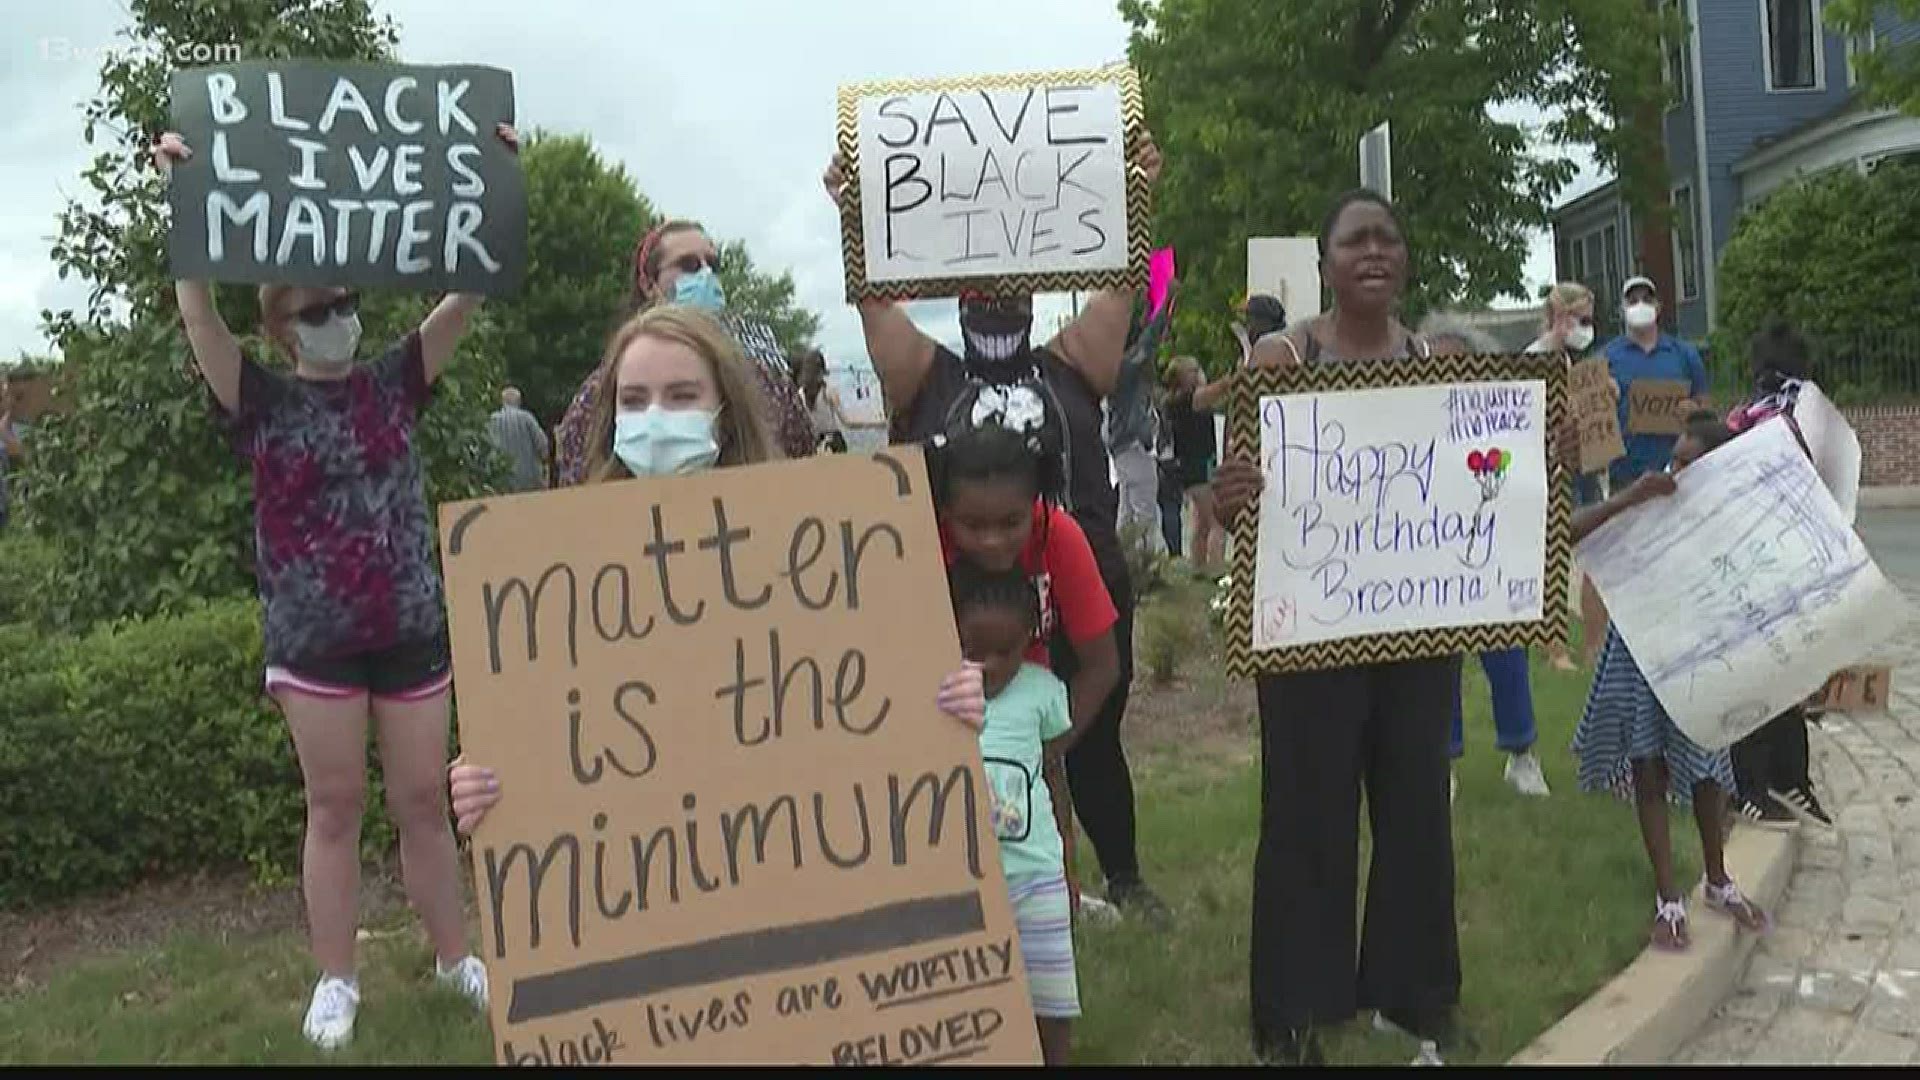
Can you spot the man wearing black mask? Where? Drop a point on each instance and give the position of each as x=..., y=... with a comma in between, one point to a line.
x=1057, y=387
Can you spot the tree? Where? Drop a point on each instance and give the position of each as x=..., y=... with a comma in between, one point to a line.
x=1259, y=110
x=135, y=488
x=1890, y=72
x=584, y=217
x=767, y=298
x=1833, y=256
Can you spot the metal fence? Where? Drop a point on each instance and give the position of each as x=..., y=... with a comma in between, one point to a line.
x=1881, y=368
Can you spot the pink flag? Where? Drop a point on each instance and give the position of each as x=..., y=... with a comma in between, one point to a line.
x=1159, y=280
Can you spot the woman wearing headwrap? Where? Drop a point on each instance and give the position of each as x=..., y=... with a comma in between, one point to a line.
x=677, y=263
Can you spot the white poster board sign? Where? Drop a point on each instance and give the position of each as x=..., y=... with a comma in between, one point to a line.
x=1001, y=183
x=1834, y=446
x=1741, y=593
x=1401, y=509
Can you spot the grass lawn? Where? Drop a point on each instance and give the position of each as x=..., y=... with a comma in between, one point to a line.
x=1554, y=897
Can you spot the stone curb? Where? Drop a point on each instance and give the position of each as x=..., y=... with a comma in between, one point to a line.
x=1647, y=1011
x=1899, y=497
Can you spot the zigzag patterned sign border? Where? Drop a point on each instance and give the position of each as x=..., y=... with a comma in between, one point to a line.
x=853, y=249
x=1243, y=429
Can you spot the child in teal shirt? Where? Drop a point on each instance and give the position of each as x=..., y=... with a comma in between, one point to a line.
x=1026, y=720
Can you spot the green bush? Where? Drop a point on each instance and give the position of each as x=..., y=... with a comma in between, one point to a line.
x=1833, y=255
x=1168, y=638
x=146, y=749
x=25, y=563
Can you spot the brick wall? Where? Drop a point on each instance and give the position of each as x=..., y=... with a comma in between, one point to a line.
x=1889, y=444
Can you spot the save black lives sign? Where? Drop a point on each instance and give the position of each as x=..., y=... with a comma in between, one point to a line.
x=320, y=173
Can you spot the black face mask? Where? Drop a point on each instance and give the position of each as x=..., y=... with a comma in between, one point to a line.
x=997, y=337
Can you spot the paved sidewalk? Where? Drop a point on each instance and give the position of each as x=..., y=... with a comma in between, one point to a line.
x=1838, y=981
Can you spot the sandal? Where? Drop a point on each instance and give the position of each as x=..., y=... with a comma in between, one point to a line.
x=1727, y=899
x=1670, y=926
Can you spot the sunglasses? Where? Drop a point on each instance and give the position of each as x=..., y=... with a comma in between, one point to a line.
x=692, y=264
x=317, y=314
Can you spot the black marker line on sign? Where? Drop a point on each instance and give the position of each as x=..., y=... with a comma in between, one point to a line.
x=739, y=956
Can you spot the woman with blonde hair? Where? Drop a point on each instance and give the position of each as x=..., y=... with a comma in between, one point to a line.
x=1567, y=327
x=676, y=396
x=676, y=262
x=354, y=614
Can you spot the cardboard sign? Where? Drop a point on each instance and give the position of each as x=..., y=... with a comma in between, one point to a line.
x=1592, y=392
x=1855, y=690
x=1657, y=406
x=1008, y=183
x=1743, y=591
x=733, y=828
x=320, y=173
x=1409, y=512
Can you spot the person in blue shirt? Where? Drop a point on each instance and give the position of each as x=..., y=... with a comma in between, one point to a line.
x=1644, y=352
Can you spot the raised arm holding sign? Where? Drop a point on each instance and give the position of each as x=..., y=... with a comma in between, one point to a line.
x=354, y=618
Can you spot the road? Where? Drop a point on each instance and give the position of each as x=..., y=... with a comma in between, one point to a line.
x=1838, y=980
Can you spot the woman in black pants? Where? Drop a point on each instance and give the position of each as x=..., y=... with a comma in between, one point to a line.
x=1323, y=734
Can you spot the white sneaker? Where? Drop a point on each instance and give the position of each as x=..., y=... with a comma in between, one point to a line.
x=1429, y=1050
x=469, y=977
x=1523, y=772
x=329, y=1023
x=1098, y=912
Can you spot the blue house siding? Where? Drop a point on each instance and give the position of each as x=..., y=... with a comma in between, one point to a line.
x=1894, y=30
x=1740, y=111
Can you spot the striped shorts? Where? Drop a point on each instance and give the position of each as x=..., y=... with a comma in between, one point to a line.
x=1040, y=913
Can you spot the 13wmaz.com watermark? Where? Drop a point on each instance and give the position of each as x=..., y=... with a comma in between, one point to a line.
x=185, y=54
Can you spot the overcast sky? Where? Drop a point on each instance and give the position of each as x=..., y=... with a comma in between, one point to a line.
x=722, y=110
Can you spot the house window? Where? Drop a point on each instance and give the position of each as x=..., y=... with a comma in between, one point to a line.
x=1791, y=29
x=1686, y=241
x=1577, y=259
x=1679, y=71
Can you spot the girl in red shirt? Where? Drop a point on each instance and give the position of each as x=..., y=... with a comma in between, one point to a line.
x=987, y=484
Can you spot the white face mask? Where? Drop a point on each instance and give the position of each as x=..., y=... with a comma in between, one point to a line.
x=331, y=344
x=666, y=442
x=1642, y=315
x=1580, y=337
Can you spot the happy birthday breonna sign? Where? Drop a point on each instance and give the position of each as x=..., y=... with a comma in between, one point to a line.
x=733, y=827
x=317, y=173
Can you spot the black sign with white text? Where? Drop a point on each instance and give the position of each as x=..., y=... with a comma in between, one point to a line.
x=317, y=173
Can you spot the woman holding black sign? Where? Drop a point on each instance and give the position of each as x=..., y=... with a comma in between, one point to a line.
x=355, y=626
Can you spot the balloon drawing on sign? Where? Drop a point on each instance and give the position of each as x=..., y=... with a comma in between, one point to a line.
x=1489, y=468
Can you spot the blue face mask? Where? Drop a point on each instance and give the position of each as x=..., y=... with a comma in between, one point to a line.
x=665, y=442
x=701, y=290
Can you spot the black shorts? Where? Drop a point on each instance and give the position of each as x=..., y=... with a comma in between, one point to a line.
x=408, y=672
